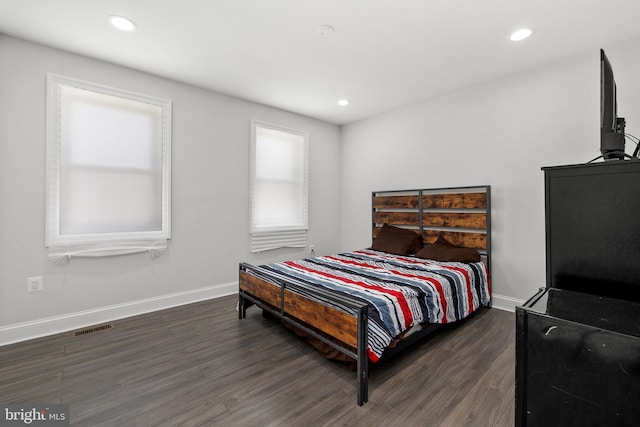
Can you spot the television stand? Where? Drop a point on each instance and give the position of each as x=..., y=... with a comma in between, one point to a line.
x=626, y=156
x=576, y=360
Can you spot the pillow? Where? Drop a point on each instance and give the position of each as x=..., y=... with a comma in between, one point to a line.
x=395, y=240
x=444, y=251
x=442, y=241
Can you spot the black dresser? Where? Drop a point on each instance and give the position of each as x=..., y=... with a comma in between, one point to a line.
x=578, y=339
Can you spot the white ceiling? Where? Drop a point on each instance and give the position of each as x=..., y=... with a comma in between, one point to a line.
x=384, y=54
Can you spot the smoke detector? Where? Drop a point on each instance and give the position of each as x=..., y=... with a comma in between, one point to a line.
x=325, y=29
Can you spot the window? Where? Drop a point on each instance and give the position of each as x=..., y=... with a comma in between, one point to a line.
x=278, y=187
x=108, y=170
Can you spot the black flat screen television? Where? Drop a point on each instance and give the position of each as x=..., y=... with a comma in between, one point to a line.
x=611, y=126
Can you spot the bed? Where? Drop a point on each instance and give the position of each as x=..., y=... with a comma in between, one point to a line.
x=429, y=264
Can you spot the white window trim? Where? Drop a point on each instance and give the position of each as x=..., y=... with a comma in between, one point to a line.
x=269, y=238
x=62, y=247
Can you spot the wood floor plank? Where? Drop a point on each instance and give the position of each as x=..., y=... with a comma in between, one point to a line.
x=200, y=365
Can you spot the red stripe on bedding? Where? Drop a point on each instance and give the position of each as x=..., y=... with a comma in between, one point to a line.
x=462, y=271
x=467, y=280
x=469, y=291
x=353, y=262
x=399, y=296
x=436, y=284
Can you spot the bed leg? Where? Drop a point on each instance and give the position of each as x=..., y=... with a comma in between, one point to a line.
x=363, y=384
x=242, y=309
x=363, y=358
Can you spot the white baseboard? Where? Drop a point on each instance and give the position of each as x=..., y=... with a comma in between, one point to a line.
x=54, y=325
x=69, y=322
x=505, y=303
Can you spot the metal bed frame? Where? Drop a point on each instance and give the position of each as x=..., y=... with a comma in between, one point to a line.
x=464, y=220
x=289, y=285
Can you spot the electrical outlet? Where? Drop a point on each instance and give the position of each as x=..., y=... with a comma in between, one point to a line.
x=35, y=284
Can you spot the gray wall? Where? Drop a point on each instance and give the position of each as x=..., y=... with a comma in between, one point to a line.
x=500, y=133
x=210, y=173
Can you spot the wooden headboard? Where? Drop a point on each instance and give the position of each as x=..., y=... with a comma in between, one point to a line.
x=462, y=215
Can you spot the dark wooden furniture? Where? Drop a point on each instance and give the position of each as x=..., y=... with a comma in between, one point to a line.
x=578, y=339
x=463, y=215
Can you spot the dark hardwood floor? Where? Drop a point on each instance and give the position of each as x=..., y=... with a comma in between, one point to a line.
x=199, y=365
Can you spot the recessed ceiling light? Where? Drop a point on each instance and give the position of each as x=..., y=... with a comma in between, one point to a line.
x=344, y=102
x=521, y=34
x=122, y=23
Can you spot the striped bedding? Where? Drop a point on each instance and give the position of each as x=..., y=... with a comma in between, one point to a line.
x=400, y=291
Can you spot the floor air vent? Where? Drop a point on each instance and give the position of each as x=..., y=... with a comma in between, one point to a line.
x=92, y=330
